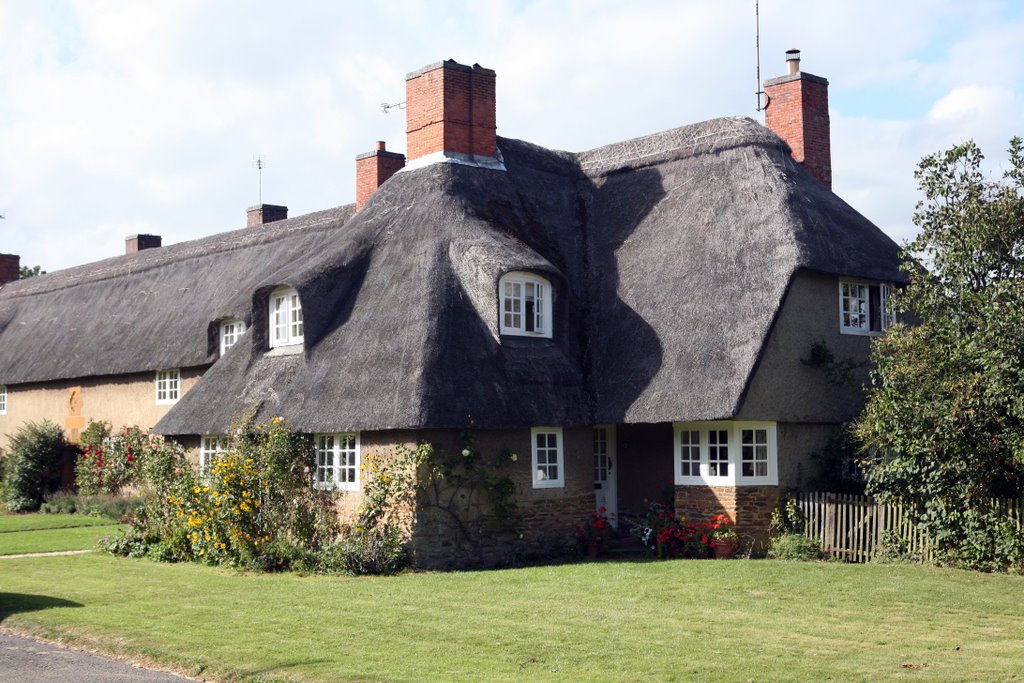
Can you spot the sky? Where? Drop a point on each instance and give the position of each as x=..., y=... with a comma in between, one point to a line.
x=137, y=116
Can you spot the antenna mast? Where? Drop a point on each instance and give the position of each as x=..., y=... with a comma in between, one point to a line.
x=757, y=42
x=258, y=162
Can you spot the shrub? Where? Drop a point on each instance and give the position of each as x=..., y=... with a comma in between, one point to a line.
x=894, y=549
x=121, y=508
x=786, y=517
x=255, y=509
x=795, y=547
x=32, y=468
x=379, y=550
x=110, y=463
x=990, y=542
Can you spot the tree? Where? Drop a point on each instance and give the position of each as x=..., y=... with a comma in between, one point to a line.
x=27, y=271
x=943, y=427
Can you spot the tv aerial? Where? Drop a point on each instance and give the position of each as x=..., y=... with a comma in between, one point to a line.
x=258, y=162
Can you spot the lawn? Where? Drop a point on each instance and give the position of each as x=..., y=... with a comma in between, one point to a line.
x=10, y=523
x=609, y=621
x=49, y=533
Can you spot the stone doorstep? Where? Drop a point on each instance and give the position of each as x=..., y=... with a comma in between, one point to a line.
x=624, y=545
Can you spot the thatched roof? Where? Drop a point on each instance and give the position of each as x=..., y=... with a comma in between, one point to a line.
x=148, y=310
x=669, y=256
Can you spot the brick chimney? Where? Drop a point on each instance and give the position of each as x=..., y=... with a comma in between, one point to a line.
x=134, y=243
x=373, y=169
x=10, y=268
x=797, y=111
x=261, y=214
x=449, y=111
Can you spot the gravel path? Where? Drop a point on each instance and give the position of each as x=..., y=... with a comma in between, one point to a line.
x=24, y=659
x=53, y=553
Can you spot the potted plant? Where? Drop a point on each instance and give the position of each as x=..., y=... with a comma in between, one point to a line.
x=723, y=537
x=595, y=532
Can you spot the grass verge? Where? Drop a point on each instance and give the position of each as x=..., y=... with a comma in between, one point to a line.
x=31, y=522
x=53, y=540
x=621, y=621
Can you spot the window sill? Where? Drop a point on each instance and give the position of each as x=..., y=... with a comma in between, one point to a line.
x=319, y=486
x=727, y=483
x=289, y=350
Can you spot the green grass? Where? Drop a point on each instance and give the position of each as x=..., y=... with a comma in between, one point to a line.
x=12, y=523
x=607, y=621
x=52, y=540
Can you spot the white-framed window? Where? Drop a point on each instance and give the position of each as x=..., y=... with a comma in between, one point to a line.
x=168, y=386
x=3, y=399
x=863, y=307
x=525, y=303
x=726, y=453
x=548, y=459
x=230, y=330
x=337, y=461
x=688, y=442
x=211, y=445
x=285, y=317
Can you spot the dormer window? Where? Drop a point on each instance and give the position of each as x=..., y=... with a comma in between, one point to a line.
x=863, y=307
x=230, y=331
x=525, y=301
x=285, y=318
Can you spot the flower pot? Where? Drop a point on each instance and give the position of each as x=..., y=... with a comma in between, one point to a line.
x=593, y=549
x=725, y=549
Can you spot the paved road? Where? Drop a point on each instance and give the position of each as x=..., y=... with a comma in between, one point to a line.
x=22, y=659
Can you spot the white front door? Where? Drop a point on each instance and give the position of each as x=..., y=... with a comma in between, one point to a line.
x=605, y=487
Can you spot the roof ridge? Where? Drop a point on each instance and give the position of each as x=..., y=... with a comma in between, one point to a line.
x=691, y=140
x=125, y=264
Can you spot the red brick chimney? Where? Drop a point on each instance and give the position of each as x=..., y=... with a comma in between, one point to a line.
x=261, y=214
x=797, y=111
x=134, y=243
x=449, y=111
x=373, y=169
x=10, y=268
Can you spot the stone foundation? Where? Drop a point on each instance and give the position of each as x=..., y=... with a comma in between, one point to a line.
x=539, y=530
x=749, y=507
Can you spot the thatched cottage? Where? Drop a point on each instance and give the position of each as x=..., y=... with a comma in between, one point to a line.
x=632, y=315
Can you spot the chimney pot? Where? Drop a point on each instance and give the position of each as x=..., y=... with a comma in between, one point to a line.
x=793, y=61
x=261, y=214
x=380, y=145
x=134, y=243
x=10, y=268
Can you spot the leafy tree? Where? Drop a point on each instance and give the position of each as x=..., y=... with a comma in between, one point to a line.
x=30, y=271
x=943, y=427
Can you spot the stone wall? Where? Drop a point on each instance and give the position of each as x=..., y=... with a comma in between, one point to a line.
x=543, y=522
x=749, y=507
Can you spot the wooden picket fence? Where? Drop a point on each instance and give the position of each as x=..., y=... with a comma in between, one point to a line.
x=852, y=527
